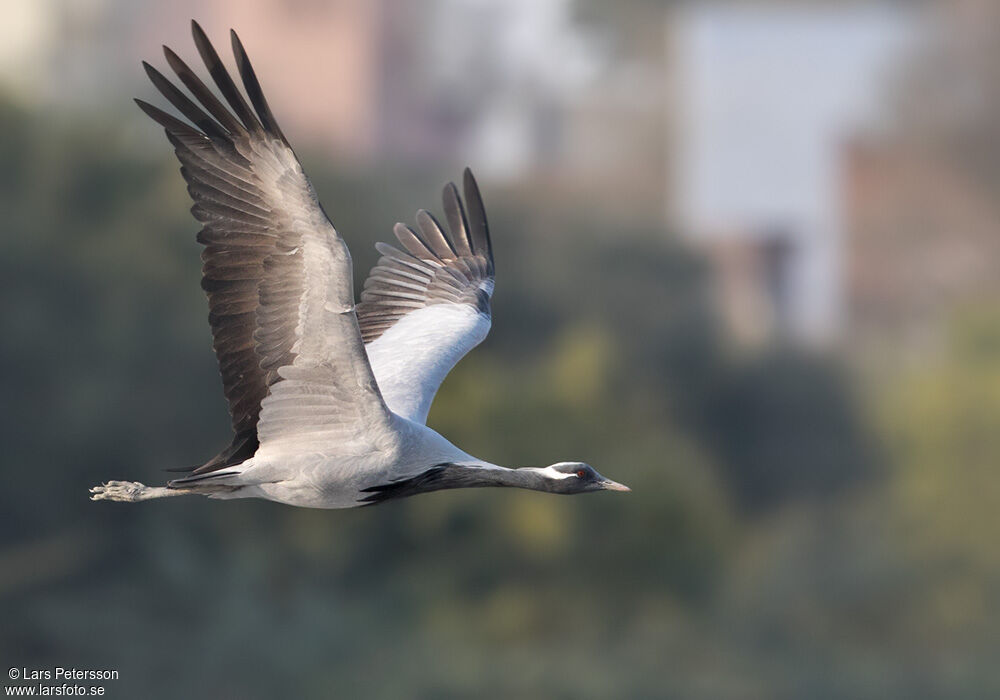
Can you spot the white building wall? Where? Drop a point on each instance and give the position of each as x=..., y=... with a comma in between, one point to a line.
x=769, y=96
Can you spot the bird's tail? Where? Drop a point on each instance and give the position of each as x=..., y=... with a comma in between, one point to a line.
x=188, y=481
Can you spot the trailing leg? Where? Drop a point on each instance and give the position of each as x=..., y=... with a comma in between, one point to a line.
x=133, y=491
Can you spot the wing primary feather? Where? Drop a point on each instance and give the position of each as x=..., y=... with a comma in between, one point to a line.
x=209, y=101
x=412, y=242
x=223, y=80
x=457, y=225
x=434, y=236
x=252, y=86
x=170, y=123
x=186, y=107
x=480, y=230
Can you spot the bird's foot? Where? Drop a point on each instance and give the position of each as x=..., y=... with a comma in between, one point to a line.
x=124, y=491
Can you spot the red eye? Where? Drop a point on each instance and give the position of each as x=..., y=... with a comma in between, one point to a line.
x=580, y=473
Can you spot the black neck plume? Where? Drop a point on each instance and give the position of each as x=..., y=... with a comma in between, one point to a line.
x=456, y=476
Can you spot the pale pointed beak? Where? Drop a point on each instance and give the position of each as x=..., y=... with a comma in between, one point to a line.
x=609, y=485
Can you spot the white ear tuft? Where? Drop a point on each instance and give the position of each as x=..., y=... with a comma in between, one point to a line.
x=552, y=473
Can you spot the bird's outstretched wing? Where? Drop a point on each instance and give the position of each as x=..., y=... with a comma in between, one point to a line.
x=424, y=307
x=277, y=274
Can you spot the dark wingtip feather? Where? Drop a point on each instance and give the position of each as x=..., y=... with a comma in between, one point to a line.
x=222, y=79
x=170, y=123
x=252, y=85
x=455, y=214
x=201, y=92
x=150, y=111
x=476, y=213
x=184, y=105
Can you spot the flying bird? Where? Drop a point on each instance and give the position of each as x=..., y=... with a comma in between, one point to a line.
x=328, y=398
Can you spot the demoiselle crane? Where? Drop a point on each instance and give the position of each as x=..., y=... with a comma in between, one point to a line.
x=328, y=399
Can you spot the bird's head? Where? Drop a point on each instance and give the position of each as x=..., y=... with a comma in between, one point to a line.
x=577, y=477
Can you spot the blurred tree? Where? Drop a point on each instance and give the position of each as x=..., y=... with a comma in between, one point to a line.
x=943, y=427
x=785, y=427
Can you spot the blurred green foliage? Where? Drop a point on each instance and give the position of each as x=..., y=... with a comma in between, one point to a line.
x=943, y=426
x=762, y=553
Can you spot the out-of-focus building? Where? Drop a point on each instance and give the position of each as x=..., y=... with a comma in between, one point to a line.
x=519, y=89
x=768, y=95
x=356, y=78
x=320, y=62
x=923, y=239
x=922, y=212
x=440, y=81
